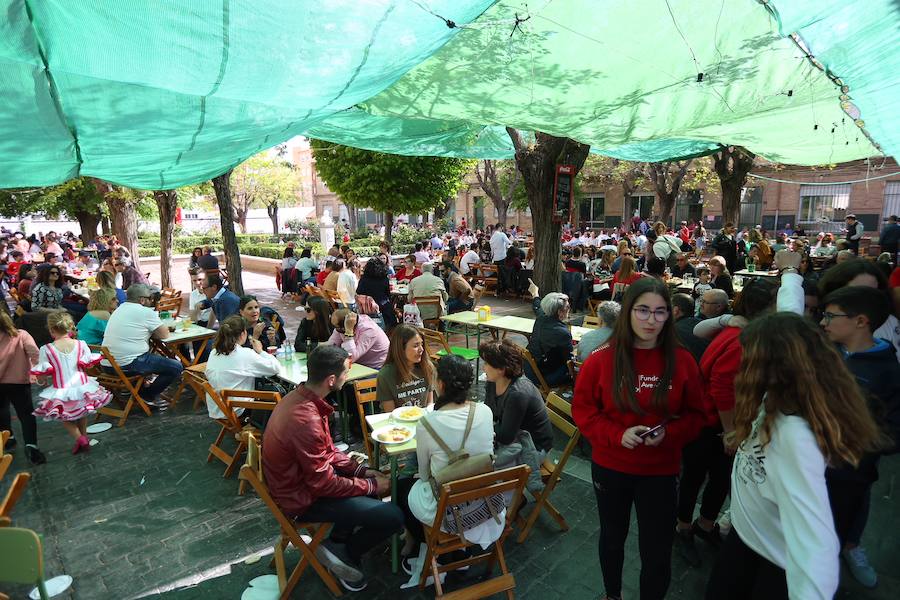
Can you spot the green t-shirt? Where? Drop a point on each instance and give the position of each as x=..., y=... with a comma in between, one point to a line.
x=410, y=393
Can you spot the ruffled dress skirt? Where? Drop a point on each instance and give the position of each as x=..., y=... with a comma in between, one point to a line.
x=72, y=403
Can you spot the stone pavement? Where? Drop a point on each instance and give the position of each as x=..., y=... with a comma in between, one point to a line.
x=144, y=515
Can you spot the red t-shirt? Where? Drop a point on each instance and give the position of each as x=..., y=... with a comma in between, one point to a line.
x=404, y=274
x=629, y=280
x=321, y=275
x=719, y=366
x=603, y=424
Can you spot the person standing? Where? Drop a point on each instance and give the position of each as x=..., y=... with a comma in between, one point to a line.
x=500, y=243
x=890, y=237
x=638, y=401
x=725, y=246
x=854, y=233
x=796, y=411
x=18, y=353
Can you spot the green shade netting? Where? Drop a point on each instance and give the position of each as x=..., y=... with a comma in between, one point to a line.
x=156, y=94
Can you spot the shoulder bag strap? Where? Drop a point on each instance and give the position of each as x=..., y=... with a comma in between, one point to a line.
x=440, y=442
x=469, y=419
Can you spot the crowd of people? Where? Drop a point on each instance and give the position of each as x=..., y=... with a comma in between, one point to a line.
x=782, y=393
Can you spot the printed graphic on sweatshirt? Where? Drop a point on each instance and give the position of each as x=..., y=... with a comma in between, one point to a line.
x=750, y=460
x=647, y=382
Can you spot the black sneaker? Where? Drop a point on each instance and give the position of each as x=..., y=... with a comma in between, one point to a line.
x=11, y=444
x=336, y=558
x=712, y=537
x=684, y=543
x=35, y=456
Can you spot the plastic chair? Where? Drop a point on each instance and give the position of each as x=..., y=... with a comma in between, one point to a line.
x=23, y=558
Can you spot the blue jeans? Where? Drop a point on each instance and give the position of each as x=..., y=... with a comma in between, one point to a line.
x=166, y=369
x=454, y=305
x=362, y=521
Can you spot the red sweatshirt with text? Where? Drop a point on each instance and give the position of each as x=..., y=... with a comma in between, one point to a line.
x=719, y=366
x=603, y=424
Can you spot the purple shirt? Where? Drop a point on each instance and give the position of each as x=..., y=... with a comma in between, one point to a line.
x=368, y=346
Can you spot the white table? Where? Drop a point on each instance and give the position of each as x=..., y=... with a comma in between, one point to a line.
x=746, y=273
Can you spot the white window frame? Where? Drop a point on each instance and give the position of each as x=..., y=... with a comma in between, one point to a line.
x=823, y=203
x=891, y=199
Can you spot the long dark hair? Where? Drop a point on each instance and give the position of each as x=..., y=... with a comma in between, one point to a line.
x=623, y=347
x=43, y=276
x=456, y=374
x=321, y=325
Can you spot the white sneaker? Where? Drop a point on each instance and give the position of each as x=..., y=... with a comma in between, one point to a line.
x=859, y=566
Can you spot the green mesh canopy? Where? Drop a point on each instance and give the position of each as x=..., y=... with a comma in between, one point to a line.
x=160, y=93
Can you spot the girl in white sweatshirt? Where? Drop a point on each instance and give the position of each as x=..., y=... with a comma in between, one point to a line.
x=797, y=410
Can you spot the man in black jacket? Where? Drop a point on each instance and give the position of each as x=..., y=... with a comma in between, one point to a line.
x=725, y=246
x=854, y=233
x=551, y=341
x=890, y=237
x=851, y=315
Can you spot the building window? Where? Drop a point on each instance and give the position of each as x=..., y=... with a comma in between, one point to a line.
x=367, y=216
x=640, y=205
x=891, y=199
x=592, y=212
x=823, y=203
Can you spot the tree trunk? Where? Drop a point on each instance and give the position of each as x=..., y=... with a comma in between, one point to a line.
x=272, y=209
x=666, y=204
x=502, y=212
x=88, y=223
x=105, y=227
x=166, y=203
x=732, y=165
x=240, y=217
x=388, y=227
x=666, y=178
x=124, y=224
x=537, y=163
x=222, y=186
x=351, y=218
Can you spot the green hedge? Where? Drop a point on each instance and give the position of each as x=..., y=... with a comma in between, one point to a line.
x=149, y=247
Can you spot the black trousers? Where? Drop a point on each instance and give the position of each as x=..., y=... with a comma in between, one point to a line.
x=704, y=458
x=654, y=499
x=849, y=501
x=413, y=524
x=19, y=395
x=742, y=574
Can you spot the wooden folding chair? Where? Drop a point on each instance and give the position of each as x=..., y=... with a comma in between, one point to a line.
x=439, y=542
x=5, y=459
x=170, y=293
x=437, y=346
x=172, y=305
x=591, y=322
x=333, y=298
x=432, y=306
x=543, y=386
x=560, y=413
x=365, y=390
x=233, y=398
x=15, y=491
x=488, y=276
x=252, y=473
x=231, y=425
x=593, y=304
x=121, y=386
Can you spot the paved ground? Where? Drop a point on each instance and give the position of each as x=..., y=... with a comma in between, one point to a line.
x=144, y=515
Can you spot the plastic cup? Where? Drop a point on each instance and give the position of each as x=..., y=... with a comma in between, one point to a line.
x=272, y=350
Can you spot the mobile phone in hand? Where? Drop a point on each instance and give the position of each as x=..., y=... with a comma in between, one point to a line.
x=653, y=432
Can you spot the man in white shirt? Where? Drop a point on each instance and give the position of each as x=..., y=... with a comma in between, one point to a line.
x=665, y=246
x=500, y=242
x=127, y=336
x=469, y=258
x=430, y=286
x=346, y=284
x=421, y=254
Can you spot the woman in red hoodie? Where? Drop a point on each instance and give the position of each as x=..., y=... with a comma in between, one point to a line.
x=639, y=401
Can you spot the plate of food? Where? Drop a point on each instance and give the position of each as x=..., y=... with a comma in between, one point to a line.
x=410, y=414
x=392, y=434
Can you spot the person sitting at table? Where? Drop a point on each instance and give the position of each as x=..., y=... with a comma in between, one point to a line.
x=311, y=481
x=551, y=341
x=322, y=275
x=236, y=360
x=316, y=327
x=682, y=266
x=130, y=275
x=307, y=267
x=469, y=259
x=51, y=245
x=257, y=329
x=608, y=314
x=198, y=314
x=360, y=336
x=27, y=273
x=627, y=272
x=194, y=262
x=720, y=278
x=518, y=407
x=428, y=285
x=656, y=267
x=346, y=284
x=374, y=283
x=100, y=306
x=47, y=291
x=459, y=294
x=826, y=248
x=331, y=280
x=208, y=262
x=407, y=377
x=128, y=333
x=105, y=279
x=409, y=271
x=448, y=422
x=223, y=301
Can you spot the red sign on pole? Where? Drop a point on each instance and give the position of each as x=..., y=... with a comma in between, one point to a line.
x=563, y=193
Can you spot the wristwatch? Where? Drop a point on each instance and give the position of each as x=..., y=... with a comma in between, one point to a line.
x=790, y=270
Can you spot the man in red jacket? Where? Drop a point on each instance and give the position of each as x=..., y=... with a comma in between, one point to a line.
x=311, y=481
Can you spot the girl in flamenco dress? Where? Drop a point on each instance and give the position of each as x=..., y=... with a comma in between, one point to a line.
x=73, y=394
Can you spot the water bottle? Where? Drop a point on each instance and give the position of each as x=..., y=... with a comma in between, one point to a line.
x=286, y=351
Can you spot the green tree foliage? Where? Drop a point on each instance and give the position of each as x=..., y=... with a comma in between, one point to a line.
x=263, y=182
x=77, y=199
x=389, y=183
